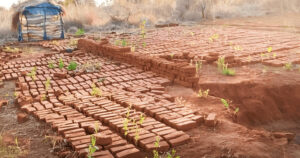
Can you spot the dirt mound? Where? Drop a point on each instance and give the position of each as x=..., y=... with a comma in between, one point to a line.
x=262, y=98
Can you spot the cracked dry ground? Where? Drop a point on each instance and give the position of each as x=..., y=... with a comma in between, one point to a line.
x=159, y=81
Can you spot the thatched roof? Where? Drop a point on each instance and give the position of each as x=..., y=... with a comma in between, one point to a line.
x=21, y=7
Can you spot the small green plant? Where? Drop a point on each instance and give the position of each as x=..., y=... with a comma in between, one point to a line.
x=124, y=42
x=222, y=67
x=61, y=63
x=11, y=50
x=214, y=37
x=172, y=56
x=225, y=103
x=11, y=151
x=269, y=49
x=72, y=66
x=172, y=154
x=198, y=66
x=236, y=111
x=156, y=145
x=132, y=48
x=32, y=73
x=203, y=93
x=51, y=65
x=288, y=66
x=96, y=91
x=80, y=32
x=47, y=84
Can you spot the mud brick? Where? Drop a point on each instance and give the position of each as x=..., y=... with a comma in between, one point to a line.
x=59, y=123
x=143, y=142
x=186, y=112
x=79, y=142
x=116, y=144
x=73, y=80
x=28, y=109
x=121, y=148
x=163, y=147
x=102, y=154
x=60, y=130
x=102, y=139
x=73, y=131
x=130, y=153
x=81, y=146
x=77, y=134
x=186, y=125
x=154, y=111
x=79, y=138
x=210, y=120
x=199, y=119
x=179, y=140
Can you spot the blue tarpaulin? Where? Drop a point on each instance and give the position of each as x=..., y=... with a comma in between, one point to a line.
x=43, y=9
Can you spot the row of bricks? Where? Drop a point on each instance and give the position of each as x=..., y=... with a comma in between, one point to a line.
x=108, y=113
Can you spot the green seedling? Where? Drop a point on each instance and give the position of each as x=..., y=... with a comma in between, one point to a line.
x=269, y=49
x=96, y=91
x=92, y=147
x=288, y=66
x=236, y=110
x=274, y=55
x=47, y=84
x=198, y=66
x=51, y=65
x=214, y=37
x=238, y=48
x=32, y=73
x=117, y=42
x=124, y=42
x=172, y=56
x=144, y=44
x=225, y=103
x=222, y=67
x=11, y=50
x=80, y=32
x=61, y=63
x=132, y=48
x=172, y=154
x=72, y=66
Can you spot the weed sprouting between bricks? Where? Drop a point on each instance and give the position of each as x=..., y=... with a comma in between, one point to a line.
x=96, y=91
x=72, y=66
x=223, y=67
x=32, y=73
x=61, y=63
x=136, y=124
x=92, y=147
x=156, y=154
x=51, y=65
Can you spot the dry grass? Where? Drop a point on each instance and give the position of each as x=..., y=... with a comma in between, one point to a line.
x=5, y=24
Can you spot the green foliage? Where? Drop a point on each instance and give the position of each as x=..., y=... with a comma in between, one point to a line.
x=96, y=91
x=269, y=49
x=72, y=66
x=236, y=110
x=92, y=147
x=32, y=73
x=203, y=93
x=47, y=84
x=172, y=154
x=124, y=42
x=61, y=63
x=51, y=65
x=288, y=66
x=80, y=32
x=198, y=66
x=224, y=67
x=226, y=104
x=214, y=37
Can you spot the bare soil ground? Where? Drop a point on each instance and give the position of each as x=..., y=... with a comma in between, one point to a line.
x=159, y=80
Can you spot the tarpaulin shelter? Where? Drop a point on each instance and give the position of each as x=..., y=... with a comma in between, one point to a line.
x=37, y=20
